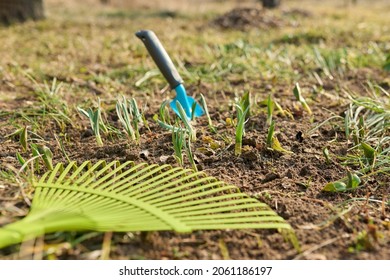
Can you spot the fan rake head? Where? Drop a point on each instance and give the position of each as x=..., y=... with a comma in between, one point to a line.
x=136, y=197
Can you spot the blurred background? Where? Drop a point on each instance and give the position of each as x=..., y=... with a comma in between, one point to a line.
x=21, y=10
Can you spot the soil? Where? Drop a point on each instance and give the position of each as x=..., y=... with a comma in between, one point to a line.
x=348, y=225
x=248, y=17
x=328, y=225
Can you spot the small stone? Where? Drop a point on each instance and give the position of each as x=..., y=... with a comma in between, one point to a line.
x=164, y=159
x=270, y=177
x=87, y=133
x=144, y=154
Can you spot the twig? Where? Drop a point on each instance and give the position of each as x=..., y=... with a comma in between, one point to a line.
x=319, y=246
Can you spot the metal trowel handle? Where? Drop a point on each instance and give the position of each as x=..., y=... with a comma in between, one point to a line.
x=160, y=57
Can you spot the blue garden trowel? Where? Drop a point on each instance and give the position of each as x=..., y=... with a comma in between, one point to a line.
x=165, y=64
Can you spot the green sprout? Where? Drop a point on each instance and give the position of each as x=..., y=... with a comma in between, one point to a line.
x=166, y=126
x=325, y=152
x=351, y=182
x=181, y=140
x=243, y=109
x=191, y=159
x=273, y=142
x=96, y=122
x=178, y=139
x=298, y=95
x=21, y=160
x=137, y=117
x=191, y=130
x=164, y=112
x=270, y=135
x=129, y=116
x=41, y=151
x=369, y=152
x=21, y=133
x=271, y=106
x=245, y=104
x=206, y=110
x=270, y=109
x=367, y=123
x=283, y=112
x=240, y=128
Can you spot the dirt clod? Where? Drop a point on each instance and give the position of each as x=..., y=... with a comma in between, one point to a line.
x=244, y=18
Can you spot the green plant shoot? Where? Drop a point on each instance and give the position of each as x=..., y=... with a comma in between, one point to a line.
x=191, y=130
x=206, y=110
x=96, y=122
x=164, y=113
x=190, y=155
x=273, y=142
x=44, y=153
x=270, y=109
x=301, y=99
x=270, y=135
x=125, y=116
x=351, y=182
x=240, y=128
x=325, y=152
x=178, y=139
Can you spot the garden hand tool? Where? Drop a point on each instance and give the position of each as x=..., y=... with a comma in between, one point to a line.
x=165, y=64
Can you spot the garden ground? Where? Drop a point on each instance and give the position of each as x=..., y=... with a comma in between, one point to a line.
x=222, y=50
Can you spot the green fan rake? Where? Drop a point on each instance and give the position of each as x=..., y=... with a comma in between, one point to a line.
x=129, y=197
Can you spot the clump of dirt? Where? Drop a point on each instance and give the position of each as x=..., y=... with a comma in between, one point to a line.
x=297, y=13
x=244, y=18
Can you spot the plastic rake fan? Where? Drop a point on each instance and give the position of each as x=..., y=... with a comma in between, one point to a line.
x=128, y=197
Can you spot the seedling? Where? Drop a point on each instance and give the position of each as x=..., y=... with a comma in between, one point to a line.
x=187, y=124
x=129, y=116
x=41, y=151
x=124, y=116
x=21, y=160
x=298, y=95
x=22, y=135
x=96, y=122
x=282, y=111
x=278, y=147
x=167, y=126
x=271, y=106
x=270, y=109
x=178, y=139
x=191, y=159
x=273, y=142
x=206, y=110
x=240, y=129
x=325, y=152
x=369, y=152
x=245, y=104
x=137, y=117
x=243, y=109
x=270, y=135
x=164, y=113
x=351, y=182
x=367, y=122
